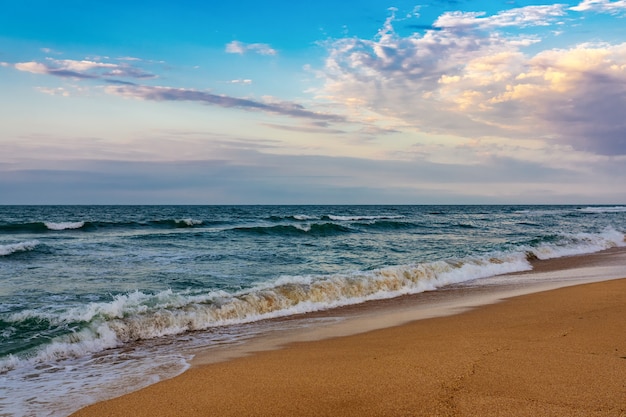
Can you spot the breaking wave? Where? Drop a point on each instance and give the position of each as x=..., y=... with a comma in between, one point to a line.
x=138, y=316
x=575, y=244
x=12, y=248
x=64, y=225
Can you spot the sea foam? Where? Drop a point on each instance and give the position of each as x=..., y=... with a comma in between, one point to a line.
x=579, y=244
x=64, y=225
x=18, y=247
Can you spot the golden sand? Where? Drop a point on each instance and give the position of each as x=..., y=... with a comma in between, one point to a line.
x=555, y=353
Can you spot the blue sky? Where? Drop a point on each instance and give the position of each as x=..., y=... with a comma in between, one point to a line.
x=275, y=102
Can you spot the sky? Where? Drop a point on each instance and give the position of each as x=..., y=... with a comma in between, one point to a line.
x=325, y=102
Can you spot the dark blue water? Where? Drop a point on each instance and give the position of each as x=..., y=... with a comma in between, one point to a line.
x=79, y=281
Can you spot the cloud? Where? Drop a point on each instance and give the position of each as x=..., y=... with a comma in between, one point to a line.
x=248, y=176
x=308, y=128
x=59, y=91
x=520, y=17
x=237, y=47
x=601, y=6
x=83, y=69
x=181, y=94
x=241, y=81
x=470, y=82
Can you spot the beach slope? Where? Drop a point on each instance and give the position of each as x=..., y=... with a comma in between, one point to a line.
x=556, y=353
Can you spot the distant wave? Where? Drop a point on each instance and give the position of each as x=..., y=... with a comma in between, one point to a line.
x=64, y=225
x=387, y=225
x=37, y=227
x=332, y=217
x=177, y=223
x=615, y=209
x=41, y=227
x=357, y=218
x=12, y=248
x=573, y=211
x=318, y=229
x=296, y=217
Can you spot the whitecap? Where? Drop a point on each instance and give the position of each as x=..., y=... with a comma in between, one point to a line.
x=18, y=247
x=64, y=225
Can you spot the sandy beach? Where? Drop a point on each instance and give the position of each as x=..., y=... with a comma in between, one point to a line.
x=555, y=353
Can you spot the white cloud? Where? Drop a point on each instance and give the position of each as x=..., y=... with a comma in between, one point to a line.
x=237, y=47
x=59, y=91
x=241, y=81
x=520, y=17
x=83, y=69
x=600, y=6
x=80, y=66
x=34, y=67
x=464, y=81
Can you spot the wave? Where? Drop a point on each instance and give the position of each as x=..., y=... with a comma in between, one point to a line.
x=177, y=223
x=64, y=225
x=139, y=316
x=318, y=229
x=596, y=210
x=42, y=227
x=36, y=227
x=575, y=244
x=296, y=217
x=332, y=217
x=388, y=225
x=12, y=248
x=357, y=218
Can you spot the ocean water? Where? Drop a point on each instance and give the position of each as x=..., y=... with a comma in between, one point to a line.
x=96, y=301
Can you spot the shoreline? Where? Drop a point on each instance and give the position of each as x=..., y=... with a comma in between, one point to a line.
x=445, y=301
x=278, y=374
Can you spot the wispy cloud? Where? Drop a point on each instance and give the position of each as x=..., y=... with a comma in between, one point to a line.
x=237, y=47
x=470, y=82
x=181, y=94
x=83, y=69
x=245, y=81
x=312, y=127
x=246, y=175
x=58, y=91
x=602, y=6
x=520, y=17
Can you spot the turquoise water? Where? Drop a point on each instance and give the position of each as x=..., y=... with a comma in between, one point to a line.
x=84, y=289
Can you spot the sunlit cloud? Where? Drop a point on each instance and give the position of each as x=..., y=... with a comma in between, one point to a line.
x=469, y=82
x=237, y=47
x=83, y=69
x=602, y=6
x=520, y=17
x=58, y=91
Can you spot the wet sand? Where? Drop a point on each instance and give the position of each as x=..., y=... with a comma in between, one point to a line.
x=554, y=353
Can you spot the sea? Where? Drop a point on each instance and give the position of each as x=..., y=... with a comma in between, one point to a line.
x=98, y=301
